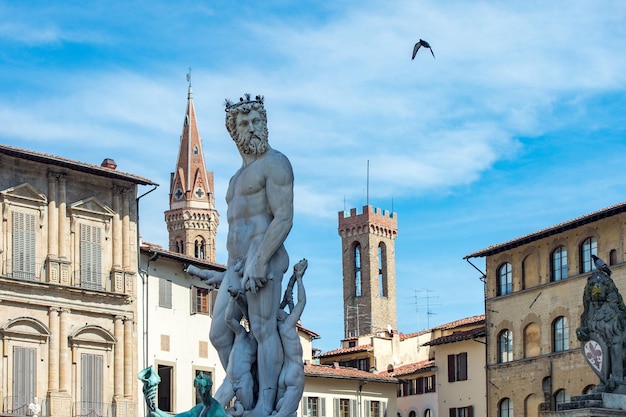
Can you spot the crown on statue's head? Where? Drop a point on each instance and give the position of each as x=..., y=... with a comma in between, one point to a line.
x=243, y=102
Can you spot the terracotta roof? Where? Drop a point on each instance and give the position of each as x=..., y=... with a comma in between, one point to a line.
x=414, y=334
x=549, y=231
x=462, y=322
x=307, y=331
x=412, y=368
x=458, y=336
x=343, y=351
x=327, y=371
x=151, y=248
x=75, y=165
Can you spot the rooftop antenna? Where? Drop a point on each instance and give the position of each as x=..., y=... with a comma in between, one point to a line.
x=367, y=201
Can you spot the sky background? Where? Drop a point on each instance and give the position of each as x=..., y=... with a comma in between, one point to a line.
x=518, y=124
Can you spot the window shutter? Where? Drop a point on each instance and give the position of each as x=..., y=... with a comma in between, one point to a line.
x=165, y=293
x=453, y=410
x=322, y=407
x=24, y=376
x=194, y=299
x=336, y=405
x=305, y=406
x=463, y=366
x=420, y=385
x=384, y=409
x=470, y=411
x=354, y=408
x=23, y=246
x=368, y=409
x=451, y=370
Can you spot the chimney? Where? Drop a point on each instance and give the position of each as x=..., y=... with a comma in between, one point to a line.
x=108, y=163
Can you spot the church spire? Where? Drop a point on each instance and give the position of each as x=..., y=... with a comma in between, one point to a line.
x=192, y=219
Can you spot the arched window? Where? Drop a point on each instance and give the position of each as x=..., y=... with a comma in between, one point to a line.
x=505, y=346
x=505, y=279
x=199, y=248
x=357, y=270
x=180, y=247
x=559, y=264
x=561, y=397
x=412, y=414
x=382, y=270
x=560, y=334
x=195, y=150
x=588, y=389
x=505, y=408
x=612, y=257
x=587, y=248
x=428, y=413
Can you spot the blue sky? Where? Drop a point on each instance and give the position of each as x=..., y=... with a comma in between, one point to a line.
x=517, y=124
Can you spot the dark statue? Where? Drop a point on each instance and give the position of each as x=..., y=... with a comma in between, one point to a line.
x=602, y=332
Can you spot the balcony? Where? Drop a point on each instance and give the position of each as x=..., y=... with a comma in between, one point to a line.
x=93, y=409
x=24, y=406
x=23, y=271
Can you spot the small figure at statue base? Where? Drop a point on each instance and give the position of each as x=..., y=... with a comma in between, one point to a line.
x=209, y=407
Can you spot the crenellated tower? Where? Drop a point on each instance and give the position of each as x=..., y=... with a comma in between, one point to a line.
x=369, y=270
x=192, y=219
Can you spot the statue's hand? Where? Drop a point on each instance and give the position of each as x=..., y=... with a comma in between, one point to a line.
x=255, y=277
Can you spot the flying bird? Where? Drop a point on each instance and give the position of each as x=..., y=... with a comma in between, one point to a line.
x=418, y=45
x=601, y=265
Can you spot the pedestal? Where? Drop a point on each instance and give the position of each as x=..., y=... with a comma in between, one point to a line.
x=591, y=405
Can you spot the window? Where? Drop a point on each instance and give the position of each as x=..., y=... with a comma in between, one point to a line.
x=24, y=377
x=357, y=270
x=24, y=246
x=91, y=384
x=505, y=409
x=195, y=150
x=505, y=280
x=428, y=413
x=165, y=393
x=202, y=300
x=90, y=257
x=165, y=293
x=314, y=406
x=612, y=257
x=412, y=414
x=382, y=270
x=560, y=334
x=345, y=407
x=199, y=249
x=462, y=412
x=457, y=367
x=180, y=246
x=374, y=409
x=587, y=248
x=559, y=264
x=425, y=384
x=561, y=397
x=505, y=346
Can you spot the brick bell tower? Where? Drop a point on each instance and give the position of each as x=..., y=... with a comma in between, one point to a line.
x=369, y=270
x=192, y=219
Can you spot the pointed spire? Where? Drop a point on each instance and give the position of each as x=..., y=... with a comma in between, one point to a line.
x=191, y=194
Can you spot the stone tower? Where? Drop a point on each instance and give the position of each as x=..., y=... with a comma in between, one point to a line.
x=369, y=270
x=192, y=219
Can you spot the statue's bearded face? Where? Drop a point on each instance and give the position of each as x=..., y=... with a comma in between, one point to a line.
x=250, y=133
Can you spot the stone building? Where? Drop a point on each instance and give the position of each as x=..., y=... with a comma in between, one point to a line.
x=369, y=270
x=533, y=299
x=68, y=251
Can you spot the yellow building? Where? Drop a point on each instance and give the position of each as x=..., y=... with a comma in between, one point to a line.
x=68, y=252
x=533, y=298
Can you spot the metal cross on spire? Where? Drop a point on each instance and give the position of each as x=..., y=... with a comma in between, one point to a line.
x=189, y=77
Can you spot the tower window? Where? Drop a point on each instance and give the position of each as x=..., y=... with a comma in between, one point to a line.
x=195, y=150
x=357, y=271
x=199, y=251
x=382, y=270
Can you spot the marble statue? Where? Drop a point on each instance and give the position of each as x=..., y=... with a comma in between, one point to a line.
x=603, y=332
x=291, y=378
x=260, y=216
x=208, y=407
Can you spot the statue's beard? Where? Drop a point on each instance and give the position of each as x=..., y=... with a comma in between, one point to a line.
x=253, y=143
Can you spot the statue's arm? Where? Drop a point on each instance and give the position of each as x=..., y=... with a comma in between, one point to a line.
x=299, y=308
x=212, y=278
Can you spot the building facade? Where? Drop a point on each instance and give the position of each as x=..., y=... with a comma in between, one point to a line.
x=67, y=285
x=175, y=321
x=534, y=300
